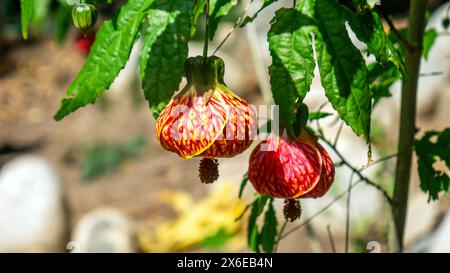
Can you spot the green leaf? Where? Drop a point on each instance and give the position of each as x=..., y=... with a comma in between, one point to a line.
x=428, y=151
x=381, y=78
x=253, y=236
x=217, y=10
x=26, y=7
x=318, y=115
x=107, y=57
x=343, y=71
x=368, y=27
x=218, y=240
x=164, y=50
x=243, y=185
x=428, y=41
x=41, y=10
x=292, y=68
x=250, y=19
x=269, y=230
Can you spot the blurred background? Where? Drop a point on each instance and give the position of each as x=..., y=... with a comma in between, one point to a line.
x=98, y=181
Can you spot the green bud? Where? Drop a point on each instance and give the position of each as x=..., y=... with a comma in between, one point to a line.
x=84, y=17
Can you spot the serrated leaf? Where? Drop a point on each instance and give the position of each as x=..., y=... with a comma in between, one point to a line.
x=107, y=57
x=244, y=183
x=433, y=181
x=217, y=10
x=368, y=27
x=250, y=19
x=292, y=68
x=253, y=236
x=428, y=41
x=26, y=8
x=343, y=71
x=269, y=230
x=164, y=50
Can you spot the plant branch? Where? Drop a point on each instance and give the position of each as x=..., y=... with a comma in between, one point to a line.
x=408, y=122
x=287, y=233
x=394, y=30
x=358, y=171
x=330, y=237
x=347, y=216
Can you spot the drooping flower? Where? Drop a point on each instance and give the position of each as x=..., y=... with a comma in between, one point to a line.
x=287, y=169
x=206, y=118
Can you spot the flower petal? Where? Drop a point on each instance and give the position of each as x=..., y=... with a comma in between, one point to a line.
x=191, y=123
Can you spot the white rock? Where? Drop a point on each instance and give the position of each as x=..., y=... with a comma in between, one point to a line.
x=32, y=216
x=104, y=231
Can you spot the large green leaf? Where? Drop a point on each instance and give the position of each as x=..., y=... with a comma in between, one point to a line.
x=269, y=230
x=292, y=68
x=164, y=50
x=107, y=57
x=343, y=71
x=26, y=7
x=368, y=27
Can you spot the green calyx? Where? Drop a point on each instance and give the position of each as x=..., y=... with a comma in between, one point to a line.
x=84, y=17
x=204, y=73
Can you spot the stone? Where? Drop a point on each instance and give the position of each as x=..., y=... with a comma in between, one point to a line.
x=104, y=230
x=32, y=213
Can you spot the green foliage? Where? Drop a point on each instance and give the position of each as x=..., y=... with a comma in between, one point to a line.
x=27, y=7
x=62, y=23
x=244, y=183
x=381, y=78
x=368, y=28
x=318, y=115
x=107, y=57
x=100, y=158
x=164, y=50
x=428, y=40
x=253, y=235
x=292, y=68
x=269, y=230
x=431, y=148
x=218, y=240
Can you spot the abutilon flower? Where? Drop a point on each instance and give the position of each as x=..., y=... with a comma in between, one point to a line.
x=291, y=169
x=206, y=118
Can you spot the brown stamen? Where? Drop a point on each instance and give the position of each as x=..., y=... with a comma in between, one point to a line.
x=292, y=210
x=208, y=170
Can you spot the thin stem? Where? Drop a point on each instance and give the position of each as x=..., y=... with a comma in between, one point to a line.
x=238, y=21
x=205, y=45
x=394, y=30
x=408, y=122
x=347, y=217
x=280, y=234
x=338, y=134
x=330, y=237
x=358, y=171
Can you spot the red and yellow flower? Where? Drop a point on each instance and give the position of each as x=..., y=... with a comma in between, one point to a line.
x=206, y=118
x=287, y=169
